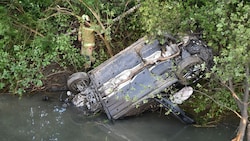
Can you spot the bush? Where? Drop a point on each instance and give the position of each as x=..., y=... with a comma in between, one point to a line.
x=223, y=24
x=35, y=34
x=29, y=43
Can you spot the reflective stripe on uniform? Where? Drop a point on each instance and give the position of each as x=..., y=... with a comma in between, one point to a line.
x=88, y=44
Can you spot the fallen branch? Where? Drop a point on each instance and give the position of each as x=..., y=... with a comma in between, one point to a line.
x=59, y=72
x=131, y=10
x=28, y=28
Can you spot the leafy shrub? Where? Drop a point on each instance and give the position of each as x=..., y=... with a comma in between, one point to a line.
x=35, y=34
x=29, y=44
x=223, y=24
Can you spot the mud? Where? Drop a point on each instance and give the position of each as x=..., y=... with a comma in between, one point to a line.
x=55, y=78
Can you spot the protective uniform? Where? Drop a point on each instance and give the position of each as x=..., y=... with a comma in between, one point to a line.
x=86, y=35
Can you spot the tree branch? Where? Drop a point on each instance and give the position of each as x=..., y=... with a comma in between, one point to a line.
x=131, y=10
x=30, y=29
x=65, y=11
x=231, y=89
x=218, y=103
x=103, y=28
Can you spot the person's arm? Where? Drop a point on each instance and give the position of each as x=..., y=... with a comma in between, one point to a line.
x=80, y=33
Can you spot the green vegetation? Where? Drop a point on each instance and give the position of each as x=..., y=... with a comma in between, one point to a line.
x=35, y=34
x=225, y=26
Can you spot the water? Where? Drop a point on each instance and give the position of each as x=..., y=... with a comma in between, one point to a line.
x=31, y=119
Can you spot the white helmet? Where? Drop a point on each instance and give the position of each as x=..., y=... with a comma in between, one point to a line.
x=85, y=17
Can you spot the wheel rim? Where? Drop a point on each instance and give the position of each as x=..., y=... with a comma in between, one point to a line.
x=78, y=82
x=189, y=70
x=79, y=85
x=193, y=73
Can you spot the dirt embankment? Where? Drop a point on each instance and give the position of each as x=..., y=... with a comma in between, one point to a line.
x=55, y=78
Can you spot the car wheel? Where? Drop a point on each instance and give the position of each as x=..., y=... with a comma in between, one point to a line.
x=189, y=70
x=78, y=82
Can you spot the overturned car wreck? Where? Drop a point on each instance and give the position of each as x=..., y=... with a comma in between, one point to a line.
x=136, y=78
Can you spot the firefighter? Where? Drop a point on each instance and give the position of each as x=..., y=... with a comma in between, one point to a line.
x=86, y=35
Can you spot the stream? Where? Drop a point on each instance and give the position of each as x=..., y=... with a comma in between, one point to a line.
x=31, y=119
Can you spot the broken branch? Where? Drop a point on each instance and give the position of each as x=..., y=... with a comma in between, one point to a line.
x=131, y=10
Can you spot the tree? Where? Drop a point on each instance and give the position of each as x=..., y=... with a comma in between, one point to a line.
x=225, y=26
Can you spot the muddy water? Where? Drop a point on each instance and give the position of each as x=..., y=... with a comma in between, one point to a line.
x=31, y=119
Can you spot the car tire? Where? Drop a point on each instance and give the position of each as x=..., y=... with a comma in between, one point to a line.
x=189, y=70
x=78, y=82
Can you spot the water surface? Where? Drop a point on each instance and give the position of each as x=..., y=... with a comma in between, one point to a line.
x=31, y=119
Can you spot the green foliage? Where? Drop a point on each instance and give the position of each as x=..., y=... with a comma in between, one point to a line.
x=35, y=34
x=236, y=27
x=125, y=31
x=30, y=41
x=209, y=103
x=228, y=31
x=158, y=16
x=224, y=25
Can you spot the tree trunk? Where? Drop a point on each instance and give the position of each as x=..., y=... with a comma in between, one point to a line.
x=248, y=132
x=243, y=123
x=244, y=113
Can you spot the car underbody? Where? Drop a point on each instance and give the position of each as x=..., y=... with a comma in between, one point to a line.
x=137, y=79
